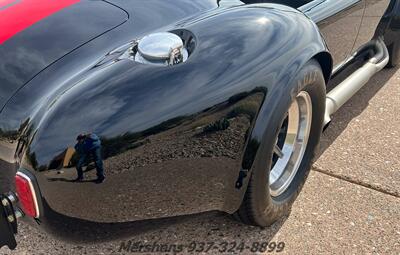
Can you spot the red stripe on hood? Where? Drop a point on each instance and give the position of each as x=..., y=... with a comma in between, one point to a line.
x=17, y=15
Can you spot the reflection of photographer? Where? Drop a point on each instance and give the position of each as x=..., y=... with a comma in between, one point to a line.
x=89, y=145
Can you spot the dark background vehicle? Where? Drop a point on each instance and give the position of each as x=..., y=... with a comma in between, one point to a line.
x=206, y=132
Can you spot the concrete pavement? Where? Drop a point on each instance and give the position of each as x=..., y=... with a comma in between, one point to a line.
x=349, y=205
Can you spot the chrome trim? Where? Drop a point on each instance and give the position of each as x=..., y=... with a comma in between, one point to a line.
x=338, y=96
x=296, y=135
x=160, y=46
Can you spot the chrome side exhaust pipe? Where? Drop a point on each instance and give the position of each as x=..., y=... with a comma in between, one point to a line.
x=338, y=96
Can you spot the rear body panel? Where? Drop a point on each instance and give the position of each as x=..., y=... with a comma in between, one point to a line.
x=159, y=159
x=165, y=150
x=14, y=18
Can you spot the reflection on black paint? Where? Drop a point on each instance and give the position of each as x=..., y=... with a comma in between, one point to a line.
x=174, y=139
x=88, y=147
x=28, y=52
x=170, y=157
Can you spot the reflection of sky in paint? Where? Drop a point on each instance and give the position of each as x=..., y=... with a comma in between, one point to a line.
x=28, y=52
x=226, y=3
x=322, y=9
x=11, y=75
x=148, y=17
x=126, y=97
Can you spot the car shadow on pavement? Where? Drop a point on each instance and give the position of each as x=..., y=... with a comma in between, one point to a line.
x=354, y=107
x=202, y=227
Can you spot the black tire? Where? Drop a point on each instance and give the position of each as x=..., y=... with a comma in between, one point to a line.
x=394, y=54
x=259, y=207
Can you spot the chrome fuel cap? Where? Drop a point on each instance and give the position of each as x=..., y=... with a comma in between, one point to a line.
x=159, y=46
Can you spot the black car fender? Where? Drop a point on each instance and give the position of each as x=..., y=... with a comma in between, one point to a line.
x=178, y=139
x=389, y=25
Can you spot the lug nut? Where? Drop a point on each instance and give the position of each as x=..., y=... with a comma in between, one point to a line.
x=13, y=198
x=10, y=218
x=18, y=213
x=5, y=202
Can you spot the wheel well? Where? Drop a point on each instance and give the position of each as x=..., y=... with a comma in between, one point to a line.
x=325, y=61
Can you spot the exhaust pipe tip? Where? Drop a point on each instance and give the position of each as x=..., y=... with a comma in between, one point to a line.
x=326, y=125
x=327, y=120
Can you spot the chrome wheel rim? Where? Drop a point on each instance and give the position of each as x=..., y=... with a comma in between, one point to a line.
x=291, y=144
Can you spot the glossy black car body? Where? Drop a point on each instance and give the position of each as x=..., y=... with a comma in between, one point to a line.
x=176, y=140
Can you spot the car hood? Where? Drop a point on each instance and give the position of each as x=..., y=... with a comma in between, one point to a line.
x=33, y=35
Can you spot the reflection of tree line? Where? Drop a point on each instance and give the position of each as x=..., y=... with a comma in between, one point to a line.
x=119, y=144
x=13, y=135
x=9, y=135
x=128, y=141
x=116, y=145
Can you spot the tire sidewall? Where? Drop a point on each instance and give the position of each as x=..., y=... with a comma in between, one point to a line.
x=267, y=208
x=394, y=54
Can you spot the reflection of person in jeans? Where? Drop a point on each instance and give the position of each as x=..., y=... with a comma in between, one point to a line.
x=89, y=145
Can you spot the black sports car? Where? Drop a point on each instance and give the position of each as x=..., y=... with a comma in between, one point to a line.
x=119, y=111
